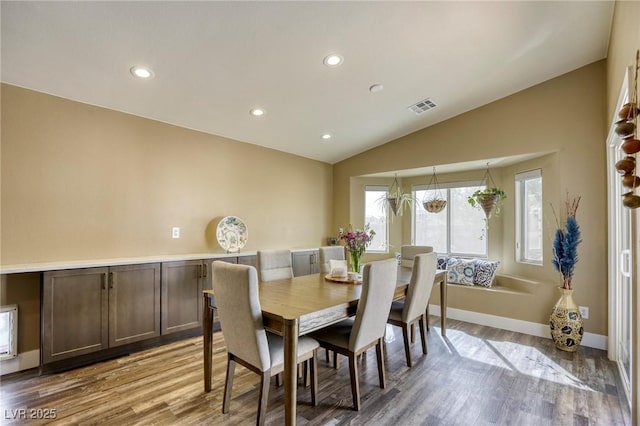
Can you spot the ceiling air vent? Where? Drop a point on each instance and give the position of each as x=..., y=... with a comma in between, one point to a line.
x=423, y=106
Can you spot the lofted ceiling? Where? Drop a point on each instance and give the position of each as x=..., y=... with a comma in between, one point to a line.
x=215, y=61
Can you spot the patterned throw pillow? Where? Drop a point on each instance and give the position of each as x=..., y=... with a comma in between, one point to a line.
x=460, y=271
x=442, y=262
x=485, y=272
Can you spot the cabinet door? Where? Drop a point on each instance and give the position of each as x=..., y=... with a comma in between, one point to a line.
x=182, y=285
x=74, y=313
x=304, y=262
x=251, y=260
x=134, y=303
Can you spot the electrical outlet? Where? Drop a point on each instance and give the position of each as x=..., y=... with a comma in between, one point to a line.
x=584, y=311
x=175, y=232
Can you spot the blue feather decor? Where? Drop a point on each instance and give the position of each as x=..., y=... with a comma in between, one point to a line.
x=565, y=243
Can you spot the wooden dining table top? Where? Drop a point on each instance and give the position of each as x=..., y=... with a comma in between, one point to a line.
x=309, y=295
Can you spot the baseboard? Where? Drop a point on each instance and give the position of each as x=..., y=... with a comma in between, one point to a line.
x=23, y=361
x=591, y=340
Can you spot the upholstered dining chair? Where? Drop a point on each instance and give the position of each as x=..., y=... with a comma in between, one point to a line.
x=238, y=304
x=352, y=337
x=414, y=307
x=330, y=253
x=274, y=265
x=407, y=253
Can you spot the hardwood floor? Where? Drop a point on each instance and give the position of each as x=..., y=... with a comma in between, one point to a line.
x=476, y=376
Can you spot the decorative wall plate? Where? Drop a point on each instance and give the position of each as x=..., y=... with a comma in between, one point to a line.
x=232, y=234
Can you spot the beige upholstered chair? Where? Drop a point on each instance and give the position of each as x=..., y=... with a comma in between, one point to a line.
x=238, y=304
x=414, y=307
x=274, y=265
x=351, y=337
x=407, y=253
x=330, y=253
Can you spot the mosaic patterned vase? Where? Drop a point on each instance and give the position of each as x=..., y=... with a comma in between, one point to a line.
x=566, y=322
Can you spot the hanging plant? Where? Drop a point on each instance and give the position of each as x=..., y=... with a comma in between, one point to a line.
x=396, y=200
x=488, y=199
x=436, y=203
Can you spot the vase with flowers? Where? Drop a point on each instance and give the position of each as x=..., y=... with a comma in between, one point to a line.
x=566, y=322
x=356, y=242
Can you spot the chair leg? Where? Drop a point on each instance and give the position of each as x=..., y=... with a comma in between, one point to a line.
x=427, y=316
x=264, y=396
x=380, y=359
x=305, y=373
x=407, y=348
x=278, y=381
x=228, y=384
x=314, y=379
x=423, y=333
x=326, y=354
x=336, y=360
x=355, y=385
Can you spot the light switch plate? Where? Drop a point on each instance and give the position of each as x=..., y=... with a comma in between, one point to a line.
x=175, y=232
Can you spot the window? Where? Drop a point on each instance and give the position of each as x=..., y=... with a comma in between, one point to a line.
x=529, y=217
x=8, y=331
x=457, y=230
x=376, y=216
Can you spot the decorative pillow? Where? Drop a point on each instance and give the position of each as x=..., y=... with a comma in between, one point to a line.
x=460, y=271
x=442, y=262
x=338, y=268
x=485, y=272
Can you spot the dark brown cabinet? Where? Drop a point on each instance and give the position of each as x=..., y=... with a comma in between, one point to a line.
x=305, y=262
x=87, y=310
x=182, y=285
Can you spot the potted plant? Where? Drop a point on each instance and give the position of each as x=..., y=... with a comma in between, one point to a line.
x=566, y=322
x=489, y=199
x=396, y=199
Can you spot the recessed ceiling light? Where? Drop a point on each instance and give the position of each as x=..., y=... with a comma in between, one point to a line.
x=376, y=88
x=141, y=72
x=257, y=112
x=332, y=60
x=326, y=136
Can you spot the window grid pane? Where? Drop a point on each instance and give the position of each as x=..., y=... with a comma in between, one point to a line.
x=458, y=230
x=532, y=220
x=376, y=216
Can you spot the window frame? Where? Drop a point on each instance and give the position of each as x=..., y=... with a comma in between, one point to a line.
x=385, y=189
x=521, y=221
x=445, y=189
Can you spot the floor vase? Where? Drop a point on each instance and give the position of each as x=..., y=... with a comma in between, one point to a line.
x=566, y=322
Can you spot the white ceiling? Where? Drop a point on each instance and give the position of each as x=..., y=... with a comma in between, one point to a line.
x=214, y=61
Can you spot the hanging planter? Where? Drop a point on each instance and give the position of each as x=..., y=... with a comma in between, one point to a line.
x=396, y=200
x=489, y=199
x=436, y=203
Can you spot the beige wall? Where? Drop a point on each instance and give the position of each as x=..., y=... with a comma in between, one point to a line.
x=565, y=116
x=81, y=182
x=623, y=45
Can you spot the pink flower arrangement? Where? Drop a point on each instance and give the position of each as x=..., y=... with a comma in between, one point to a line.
x=356, y=243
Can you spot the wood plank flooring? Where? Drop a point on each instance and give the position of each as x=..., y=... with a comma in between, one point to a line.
x=476, y=376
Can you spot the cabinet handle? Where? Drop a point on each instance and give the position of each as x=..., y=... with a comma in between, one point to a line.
x=104, y=281
x=204, y=271
x=111, y=279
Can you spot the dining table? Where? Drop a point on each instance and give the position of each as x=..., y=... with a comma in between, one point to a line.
x=300, y=305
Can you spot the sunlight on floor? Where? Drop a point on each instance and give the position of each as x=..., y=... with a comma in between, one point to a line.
x=515, y=357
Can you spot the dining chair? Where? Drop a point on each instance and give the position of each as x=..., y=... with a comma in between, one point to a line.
x=413, y=309
x=237, y=300
x=330, y=253
x=274, y=265
x=352, y=337
x=407, y=253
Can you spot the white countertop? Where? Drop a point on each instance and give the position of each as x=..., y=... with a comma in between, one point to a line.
x=92, y=263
